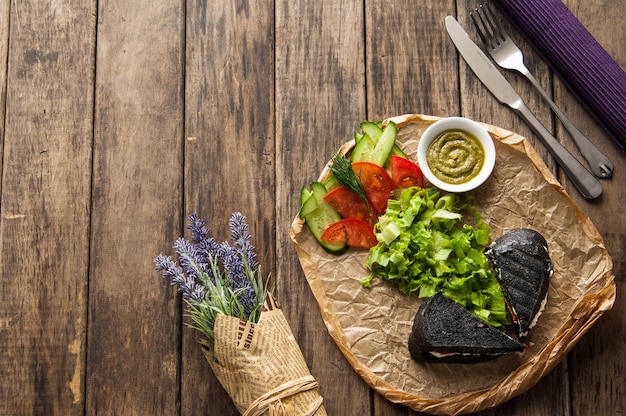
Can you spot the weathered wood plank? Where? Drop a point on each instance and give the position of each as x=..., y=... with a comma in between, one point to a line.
x=133, y=338
x=411, y=68
x=411, y=65
x=5, y=6
x=229, y=150
x=598, y=362
x=272, y=89
x=477, y=103
x=320, y=101
x=45, y=205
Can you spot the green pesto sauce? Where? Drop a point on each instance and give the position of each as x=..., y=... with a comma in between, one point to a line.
x=455, y=156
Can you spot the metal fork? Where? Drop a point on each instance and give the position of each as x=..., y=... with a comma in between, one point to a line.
x=508, y=55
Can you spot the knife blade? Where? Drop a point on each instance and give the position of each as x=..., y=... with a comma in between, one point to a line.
x=494, y=81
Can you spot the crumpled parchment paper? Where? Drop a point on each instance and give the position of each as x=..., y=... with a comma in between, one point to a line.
x=371, y=326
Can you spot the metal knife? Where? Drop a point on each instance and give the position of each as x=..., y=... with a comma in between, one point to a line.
x=585, y=182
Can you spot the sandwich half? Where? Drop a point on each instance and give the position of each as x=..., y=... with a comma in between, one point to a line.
x=444, y=331
x=523, y=267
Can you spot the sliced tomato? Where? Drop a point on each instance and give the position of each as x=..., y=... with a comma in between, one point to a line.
x=405, y=173
x=376, y=182
x=348, y=204
x=355, y=233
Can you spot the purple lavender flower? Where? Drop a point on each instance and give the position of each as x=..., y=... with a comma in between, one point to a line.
x=199, y=231
x=205, y=246
x=240, y=236
x=216, y=277
x=187, y=286
x=189, y=258
x=237, y=277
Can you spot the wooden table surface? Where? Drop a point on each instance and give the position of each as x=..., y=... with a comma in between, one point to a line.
x=120, y=118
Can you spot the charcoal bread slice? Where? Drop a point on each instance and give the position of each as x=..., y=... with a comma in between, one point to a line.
x=523, y=267
x=444, y=331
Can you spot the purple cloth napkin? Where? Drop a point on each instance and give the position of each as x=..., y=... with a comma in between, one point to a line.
x=576, y=57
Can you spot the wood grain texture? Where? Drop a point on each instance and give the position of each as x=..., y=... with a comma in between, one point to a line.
x=320, y=101
x=229, y=149
x=411, y=64
x=598, y=362
x=119, y=119
x=5, y=18
x=46, y=177
x=133, y=349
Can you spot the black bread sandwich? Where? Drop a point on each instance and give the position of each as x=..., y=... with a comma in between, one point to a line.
x=523, y=267
x=444, y=331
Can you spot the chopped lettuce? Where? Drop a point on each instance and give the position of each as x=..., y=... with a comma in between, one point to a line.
x=425, y=247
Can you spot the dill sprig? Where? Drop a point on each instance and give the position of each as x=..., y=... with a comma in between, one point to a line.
x=216, y=278
x=341, y=168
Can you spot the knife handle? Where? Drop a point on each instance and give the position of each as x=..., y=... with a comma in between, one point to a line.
x=585, y=182
x=600, y=165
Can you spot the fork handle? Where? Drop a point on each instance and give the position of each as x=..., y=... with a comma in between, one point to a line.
x=585, y=182
x=600, y=165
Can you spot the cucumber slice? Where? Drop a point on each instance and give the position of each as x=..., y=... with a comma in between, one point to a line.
x=304, y=195
x=320, y=218
x=396, y=151
x=308, y=206
x=374, y=131
x=376, y=151
x=371, y=129
x=331, y=183
x=308, y=202
x=363, y=149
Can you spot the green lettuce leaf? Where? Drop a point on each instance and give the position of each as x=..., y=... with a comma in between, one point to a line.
x=426, y=247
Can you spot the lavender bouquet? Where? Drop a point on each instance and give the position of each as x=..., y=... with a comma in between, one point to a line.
x=216, y=278
x=245, y=336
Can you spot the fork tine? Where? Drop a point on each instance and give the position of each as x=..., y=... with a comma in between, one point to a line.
x=483, y=37
x=488, y=28
x=494, y=23
x=484, y=30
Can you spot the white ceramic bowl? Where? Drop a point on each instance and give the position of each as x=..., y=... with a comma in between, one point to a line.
x=457, y=123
